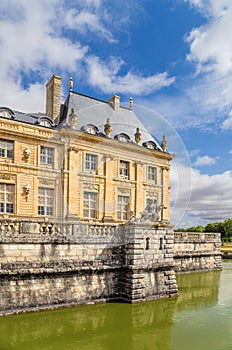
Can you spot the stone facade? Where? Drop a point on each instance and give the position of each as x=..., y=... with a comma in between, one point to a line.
x=49, y=264
x=53, y=168
x=73, y=185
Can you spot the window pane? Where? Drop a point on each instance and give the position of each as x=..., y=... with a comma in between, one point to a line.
x=6, y=198
x=90, y=205
x=90, y=161
x=124, y=168
x=123, y=207
x=152, y=173
x=46, y=155
x=6, y=149
x=46, y=201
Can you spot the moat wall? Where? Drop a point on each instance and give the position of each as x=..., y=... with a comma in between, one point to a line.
x=44, y=265
x=195, y=251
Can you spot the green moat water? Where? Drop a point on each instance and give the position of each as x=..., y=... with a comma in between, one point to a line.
x=199, y=319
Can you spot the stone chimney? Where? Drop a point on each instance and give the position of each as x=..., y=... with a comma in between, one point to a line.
x=115, y=101
x=53, y=97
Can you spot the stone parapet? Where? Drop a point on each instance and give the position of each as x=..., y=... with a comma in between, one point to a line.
x=196, y=251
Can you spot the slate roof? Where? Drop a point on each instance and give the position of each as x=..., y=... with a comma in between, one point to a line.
x=28, y=118
x=93, y=111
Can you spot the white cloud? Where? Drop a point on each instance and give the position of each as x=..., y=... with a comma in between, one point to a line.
x=205, y=160
x=210, y=7
x=209, y=44
x=210, y=198
x=31, y=43
x=36, y=42
x=227, y=124
x=85, y=21
x=105, y=76
x=210, y=51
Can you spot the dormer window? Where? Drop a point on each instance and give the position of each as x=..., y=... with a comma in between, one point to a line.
x=90, y=129
x=150, y=145
x=45, y=121
x=6, y=113
x=122, y=137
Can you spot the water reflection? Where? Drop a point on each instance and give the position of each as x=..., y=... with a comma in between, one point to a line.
x=145, y=326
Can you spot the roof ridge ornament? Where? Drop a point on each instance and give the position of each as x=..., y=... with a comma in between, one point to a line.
x=72, y=118
x=164, y=144
x=70, y=84
x=138, y=136
x=108, y=128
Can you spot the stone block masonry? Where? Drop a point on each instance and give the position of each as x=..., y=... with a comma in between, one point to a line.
x=50, y=264
x=194, y=251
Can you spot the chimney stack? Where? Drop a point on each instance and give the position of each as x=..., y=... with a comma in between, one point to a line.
x=53, y=88
x=115, y=101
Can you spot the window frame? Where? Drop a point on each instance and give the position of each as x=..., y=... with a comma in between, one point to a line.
x=152, y=174
x=6, y=150
x=43, y=210
x=124, y=169
x=89, y=209
x=92, y=162
x=123, y=212
x=5, y=203
x=45, y=157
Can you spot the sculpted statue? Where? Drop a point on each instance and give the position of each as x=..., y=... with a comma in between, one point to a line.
x=150, y=214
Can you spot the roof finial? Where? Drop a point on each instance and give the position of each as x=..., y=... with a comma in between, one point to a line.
x=164, y=144
x=70, y=84
x=131, y=102
x=108, y=128
x=72, y=118
x=138, y=136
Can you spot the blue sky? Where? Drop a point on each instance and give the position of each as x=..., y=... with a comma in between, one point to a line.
x=173, y=57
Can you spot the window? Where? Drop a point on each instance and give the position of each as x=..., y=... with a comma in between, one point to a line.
x=151, y=201
x=6, y=149
x=46, y=201
x=7, y=113
x=90, y=129
x=46, y=155
x=45, y=122
x=152, y=174
x=90, y=162
x=123, y=207
x=124, y=168
x=7, y=198
x=90, y=205
x=122, y=137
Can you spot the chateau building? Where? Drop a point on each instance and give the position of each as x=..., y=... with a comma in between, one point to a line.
x=84, y=160
x=84, y=208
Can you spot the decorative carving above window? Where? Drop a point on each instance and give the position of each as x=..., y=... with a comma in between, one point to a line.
x=7, y=113
x=150, y=145
x=90, y=129
x=122, y=137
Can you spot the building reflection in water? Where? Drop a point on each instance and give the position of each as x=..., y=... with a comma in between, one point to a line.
x=145, y=326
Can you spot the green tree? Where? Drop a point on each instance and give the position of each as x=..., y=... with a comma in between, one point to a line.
x=198, y=228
